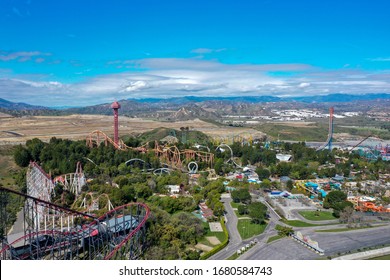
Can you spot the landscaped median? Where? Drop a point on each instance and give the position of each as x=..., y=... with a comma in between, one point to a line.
x=248, y=229
x=274, y=238
x=220, y=246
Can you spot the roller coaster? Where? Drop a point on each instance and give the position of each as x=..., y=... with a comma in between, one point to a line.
x=231, y=159
x=169, y=155
x=372, y=149
x=329, y=140
x=53, y=232
x=92, y=202
x=97, y=137
x=72, y=182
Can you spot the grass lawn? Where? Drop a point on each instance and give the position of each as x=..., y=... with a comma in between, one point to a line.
x=297, y=223
x=233, y=257
x=273, y=238
x=317, y=215
x=248, y=229
x=385, y=257
x=234, y=204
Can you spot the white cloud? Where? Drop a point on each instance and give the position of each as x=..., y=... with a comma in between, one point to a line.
x=133, y=86
x=380, y=59
x=21, y=56
x=202, y=50
x=207, y=50
x=304, y=85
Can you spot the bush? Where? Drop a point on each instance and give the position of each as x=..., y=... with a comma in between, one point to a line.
x=284, y=231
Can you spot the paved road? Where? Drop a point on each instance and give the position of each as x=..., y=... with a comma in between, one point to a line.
x=17, y=229
x=235, y=241
x=18, y=226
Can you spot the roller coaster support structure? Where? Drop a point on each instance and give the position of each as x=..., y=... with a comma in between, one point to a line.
x=328, y=143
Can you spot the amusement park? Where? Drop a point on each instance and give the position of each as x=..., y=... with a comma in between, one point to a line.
x=173, y=198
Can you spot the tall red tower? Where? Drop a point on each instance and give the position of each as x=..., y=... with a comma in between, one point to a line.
x=115, y=106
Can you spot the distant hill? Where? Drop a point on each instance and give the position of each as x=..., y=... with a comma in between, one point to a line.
x=101, y=109
x=21, y=109
x=5, y=104
x=192, y=112
x=191, y=136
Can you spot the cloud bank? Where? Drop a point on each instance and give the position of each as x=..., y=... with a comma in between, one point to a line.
x=172, y=77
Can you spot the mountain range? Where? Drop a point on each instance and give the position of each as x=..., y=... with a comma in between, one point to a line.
x=5, y=104
x=190, y=107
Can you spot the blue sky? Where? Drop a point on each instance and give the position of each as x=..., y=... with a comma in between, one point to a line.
x=59, y=53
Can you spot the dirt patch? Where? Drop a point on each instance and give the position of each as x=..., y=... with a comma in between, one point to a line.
x=4, y=115
x=77, y=127
x=203, y=247
x=213, y=240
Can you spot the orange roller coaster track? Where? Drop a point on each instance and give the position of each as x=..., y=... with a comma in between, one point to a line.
x=168, y=155
x=198, y=156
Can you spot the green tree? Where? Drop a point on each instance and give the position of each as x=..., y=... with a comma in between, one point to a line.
x=241, y=195
x=333, y=198
x=218, y=165
x=340, y=207
x=290, y=185
x=218, y=209
x=242, y=209
x=35, y=147
x=284, y=231
x=22, y=156
x=263, y=173
x=258, y=212
x=283, y=169
x=266, y=184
